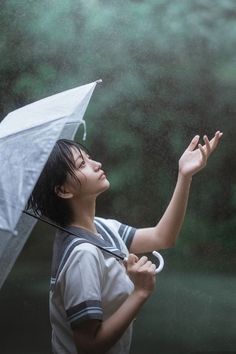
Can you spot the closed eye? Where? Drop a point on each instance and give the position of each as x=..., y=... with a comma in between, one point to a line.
x=82, y=164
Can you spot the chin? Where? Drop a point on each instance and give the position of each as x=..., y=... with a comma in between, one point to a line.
x=106, y=186
x=104, y=189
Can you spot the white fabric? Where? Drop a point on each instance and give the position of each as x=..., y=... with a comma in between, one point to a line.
x=89, y=274
x=27, y=137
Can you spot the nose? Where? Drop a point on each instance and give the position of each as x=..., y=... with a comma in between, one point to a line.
x=98, y=165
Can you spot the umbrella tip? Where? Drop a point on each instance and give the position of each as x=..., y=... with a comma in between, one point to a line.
x=99, y=81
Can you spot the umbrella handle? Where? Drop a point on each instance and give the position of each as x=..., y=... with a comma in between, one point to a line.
x=161, y=261
x=160, y=258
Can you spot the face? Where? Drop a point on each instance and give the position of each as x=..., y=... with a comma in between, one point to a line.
x=92, y=178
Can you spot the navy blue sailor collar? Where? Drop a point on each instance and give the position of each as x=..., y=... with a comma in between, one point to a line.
x=102, y=240
x=72, y=236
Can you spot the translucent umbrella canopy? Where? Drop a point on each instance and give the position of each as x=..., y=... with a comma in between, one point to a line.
x=27, y=137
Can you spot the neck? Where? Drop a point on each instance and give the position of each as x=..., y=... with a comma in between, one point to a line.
x=84, y=213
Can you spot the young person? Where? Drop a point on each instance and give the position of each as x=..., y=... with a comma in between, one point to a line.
x=94, y=298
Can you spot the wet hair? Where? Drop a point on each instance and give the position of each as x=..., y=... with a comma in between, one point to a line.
x=44, y=200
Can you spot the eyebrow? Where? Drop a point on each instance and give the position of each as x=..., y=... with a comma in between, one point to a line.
x=79, y=157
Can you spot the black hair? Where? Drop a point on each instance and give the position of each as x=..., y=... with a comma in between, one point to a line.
x=44, y=200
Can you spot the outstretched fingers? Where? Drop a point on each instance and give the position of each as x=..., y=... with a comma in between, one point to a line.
x=215, y=140
x=207, y=145
x=210, y=146
x=193, y=143
x=204, y=154
x=196, y=155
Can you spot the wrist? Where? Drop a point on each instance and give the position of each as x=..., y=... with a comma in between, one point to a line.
x=142, y=294
x=187, y=178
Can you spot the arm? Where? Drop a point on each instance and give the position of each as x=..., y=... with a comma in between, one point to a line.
x=98, y=337
x=165, y=233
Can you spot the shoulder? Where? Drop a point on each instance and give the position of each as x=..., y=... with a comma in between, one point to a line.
x=117, y=229
x=85, y=261
x=111, y=223
x=85, y=253
x=81, y=257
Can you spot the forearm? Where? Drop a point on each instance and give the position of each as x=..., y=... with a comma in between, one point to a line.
x=170, y=224
x=111, y=330
x=191, y=162
x=164, y=234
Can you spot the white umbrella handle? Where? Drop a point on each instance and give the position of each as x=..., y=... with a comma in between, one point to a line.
x=160, y=258
x=161, y=261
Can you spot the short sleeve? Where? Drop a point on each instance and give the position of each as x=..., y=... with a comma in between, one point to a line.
x=125, y=232
x=82, y=285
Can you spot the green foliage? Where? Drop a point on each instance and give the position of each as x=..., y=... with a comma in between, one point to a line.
x=168, y=71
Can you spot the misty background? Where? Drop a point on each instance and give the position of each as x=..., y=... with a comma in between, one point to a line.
x=169, y=73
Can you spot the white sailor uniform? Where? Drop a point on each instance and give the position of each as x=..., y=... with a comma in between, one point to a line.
x=88, y=283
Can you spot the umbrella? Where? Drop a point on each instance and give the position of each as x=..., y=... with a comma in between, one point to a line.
x=27, y=137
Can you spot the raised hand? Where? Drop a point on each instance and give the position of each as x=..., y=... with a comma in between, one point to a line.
x=194, y=159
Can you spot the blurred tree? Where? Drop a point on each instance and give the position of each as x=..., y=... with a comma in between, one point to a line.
x=169, y=73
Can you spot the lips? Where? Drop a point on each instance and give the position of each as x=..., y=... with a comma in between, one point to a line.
x=102, y=174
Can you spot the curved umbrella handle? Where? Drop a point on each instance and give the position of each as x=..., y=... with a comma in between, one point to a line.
x=160, y=258
x=161, y=261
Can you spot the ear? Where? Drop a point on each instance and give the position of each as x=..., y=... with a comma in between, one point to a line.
x=62, y=192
